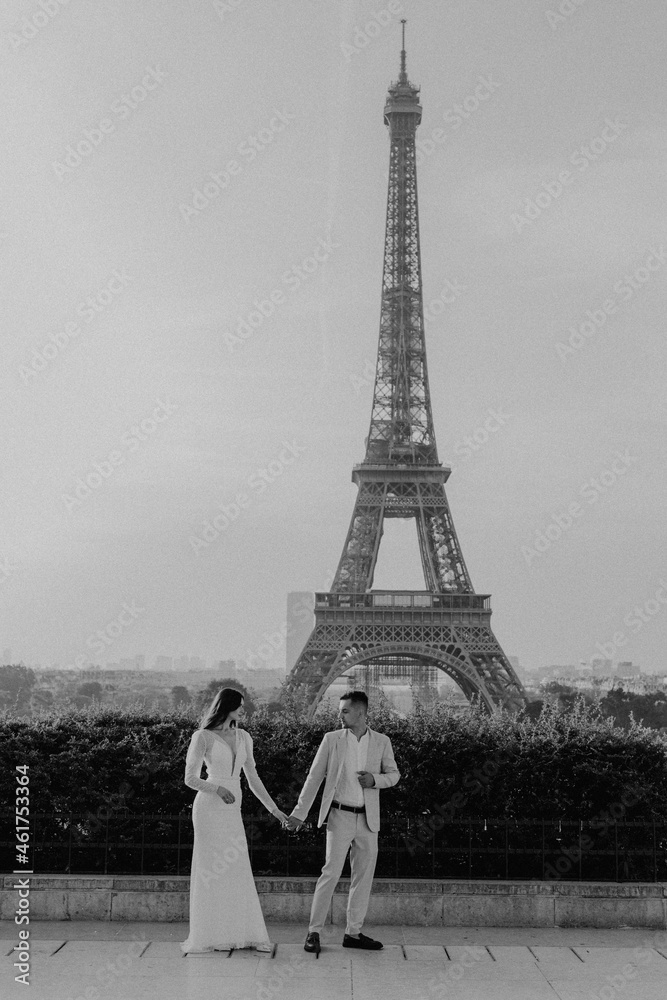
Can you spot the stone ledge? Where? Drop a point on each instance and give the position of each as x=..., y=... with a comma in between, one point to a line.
x=397, y=886
x=152, y=883
x=381, y=886
x=423, y=902
x=61, y=881
x=589, y=911
x=616, y=890
x=297, y=886
x=498, y=888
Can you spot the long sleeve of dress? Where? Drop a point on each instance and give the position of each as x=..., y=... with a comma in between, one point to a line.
x=193, y=763
x=254, y=781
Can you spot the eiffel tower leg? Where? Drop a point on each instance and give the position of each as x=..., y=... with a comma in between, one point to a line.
x=442, y=558
x=357, y=563
x=428, y=554
x=318, y=662
x=501, y=680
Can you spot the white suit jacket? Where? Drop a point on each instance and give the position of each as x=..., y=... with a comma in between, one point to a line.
x=328, y=765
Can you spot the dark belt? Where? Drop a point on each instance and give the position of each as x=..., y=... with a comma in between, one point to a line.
x=350, y=809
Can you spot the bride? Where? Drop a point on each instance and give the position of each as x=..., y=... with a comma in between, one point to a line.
x=224, y=905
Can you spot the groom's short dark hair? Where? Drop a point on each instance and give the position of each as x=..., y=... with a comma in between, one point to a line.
x=356, y=697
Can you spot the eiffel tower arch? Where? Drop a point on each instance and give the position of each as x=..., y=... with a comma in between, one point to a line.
x=447, y=625
x=452, y=660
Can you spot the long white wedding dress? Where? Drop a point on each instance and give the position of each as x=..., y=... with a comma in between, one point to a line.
x=224, y=905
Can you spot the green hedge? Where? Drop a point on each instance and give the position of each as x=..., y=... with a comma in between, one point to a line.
x=558, y=766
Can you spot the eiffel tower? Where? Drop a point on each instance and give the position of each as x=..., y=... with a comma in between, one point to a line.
x=448, y=625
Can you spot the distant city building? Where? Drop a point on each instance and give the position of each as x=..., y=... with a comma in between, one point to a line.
x=299, y=624
x=601, y=667
x=576, y=683
x=225, y=668
x=179, y=664
x=566, y=670
x=628, y=669
x=130, y=663
x=546, y=673
x=261, y=679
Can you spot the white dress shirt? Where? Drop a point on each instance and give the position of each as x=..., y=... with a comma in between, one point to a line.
x=348, y=790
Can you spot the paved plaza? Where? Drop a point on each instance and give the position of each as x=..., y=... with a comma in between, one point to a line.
x=143, y=961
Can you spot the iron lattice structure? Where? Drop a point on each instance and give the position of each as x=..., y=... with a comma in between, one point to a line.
x=448, y=624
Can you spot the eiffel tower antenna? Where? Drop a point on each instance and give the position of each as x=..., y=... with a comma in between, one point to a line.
x=403, y=77
x=446, y=626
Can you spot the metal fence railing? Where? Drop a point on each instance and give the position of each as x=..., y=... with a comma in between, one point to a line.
x=125, y=843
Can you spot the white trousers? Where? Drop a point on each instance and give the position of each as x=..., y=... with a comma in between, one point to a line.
x=346, y=831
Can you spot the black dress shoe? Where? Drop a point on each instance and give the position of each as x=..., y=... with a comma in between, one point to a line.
x=361, y=942
x=312, y=942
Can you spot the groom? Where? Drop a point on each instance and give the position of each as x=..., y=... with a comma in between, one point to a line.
x=354, y=763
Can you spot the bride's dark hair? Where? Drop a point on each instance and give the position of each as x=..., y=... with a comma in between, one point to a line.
x=226, y=700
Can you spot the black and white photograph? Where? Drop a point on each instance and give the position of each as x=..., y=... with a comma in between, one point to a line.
x=333, y=547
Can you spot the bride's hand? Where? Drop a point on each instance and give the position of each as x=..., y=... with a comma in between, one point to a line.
x=281, y=817
x=225, y=794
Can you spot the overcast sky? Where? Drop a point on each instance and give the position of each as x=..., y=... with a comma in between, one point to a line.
x=543, y=208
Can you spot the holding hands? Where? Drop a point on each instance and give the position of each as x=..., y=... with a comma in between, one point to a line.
x=365, y=778
x=229, y=798
x=225, y=794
